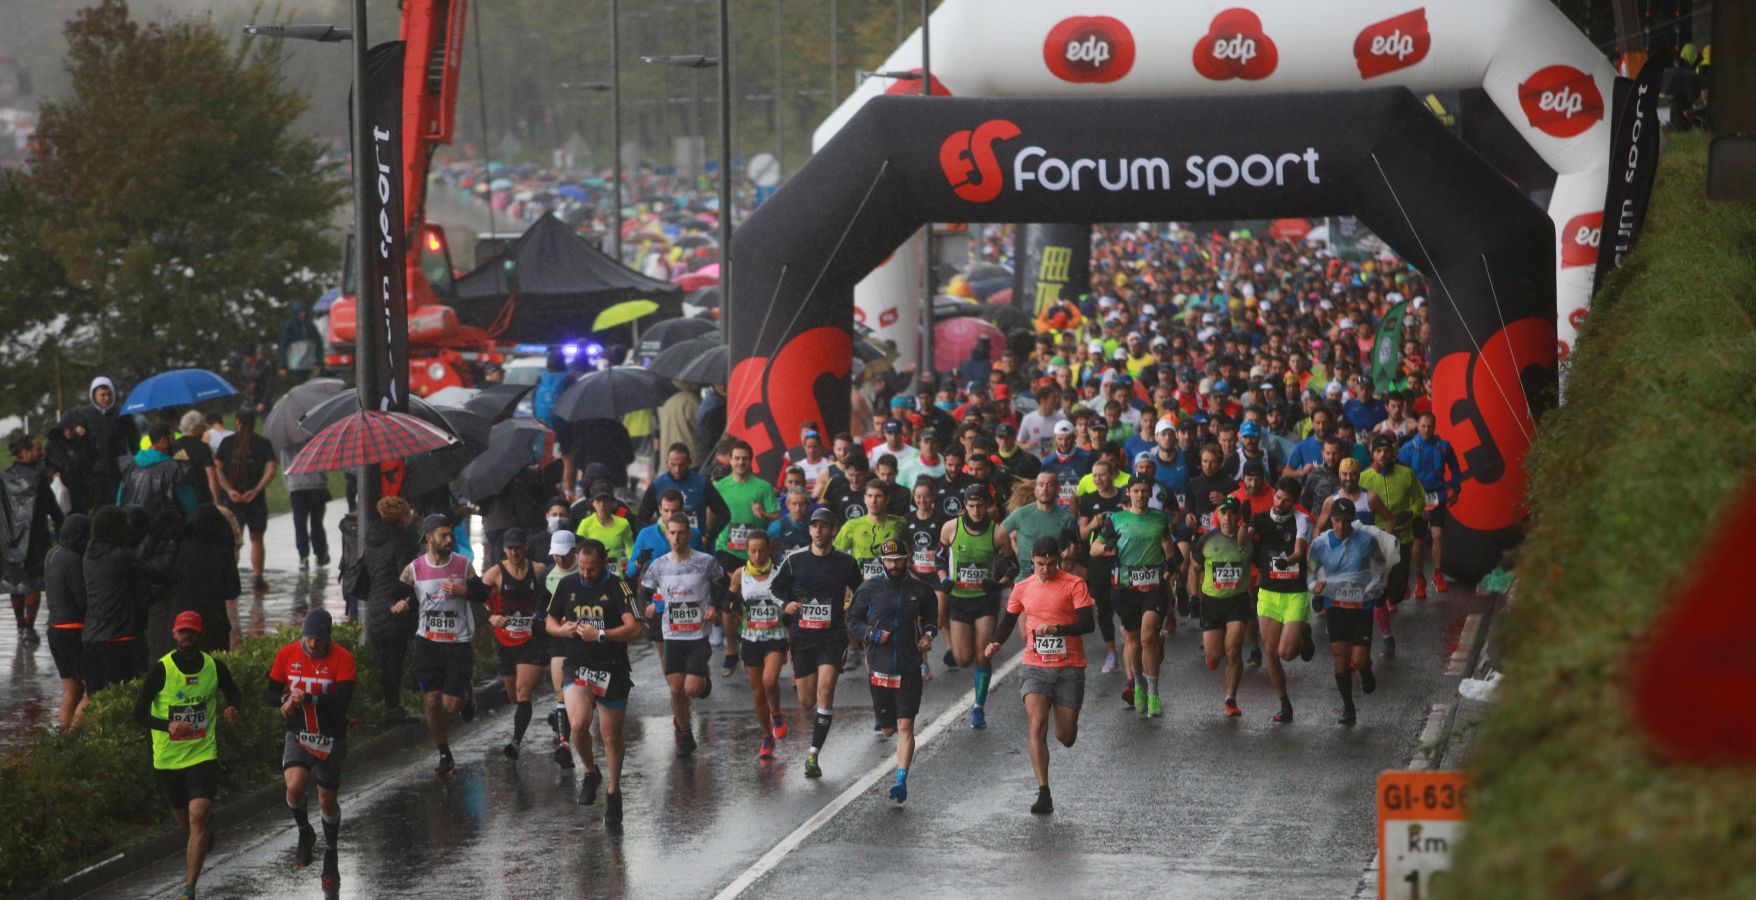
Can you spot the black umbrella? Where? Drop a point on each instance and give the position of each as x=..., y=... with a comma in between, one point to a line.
x=712, y=367
x=1005, y=315
x=984, y=271
x=470, y=426
x=509, y=452
x=673, y=331
x=706, y=298
x=611, y=394
x=347, y=403
x=497, y=401
x=426, y=471
x=282, y=426
x=671, y=362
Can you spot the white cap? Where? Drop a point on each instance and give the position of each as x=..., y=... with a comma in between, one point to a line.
x=1418, y=302
x=1346, y=324
x=1095, y=347
x=1205, y=387
x=1333, y=388
x=1159, y=341
x=1394, y=297
x=1163, y=426
x=1119, y=354
x=1063, y=427
x=561, y=543
x=1206, y=333
x=1148, y=310
x=1209, y=318
x=1325, y=305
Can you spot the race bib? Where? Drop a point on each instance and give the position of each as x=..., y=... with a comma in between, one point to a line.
x=815, y=614
x=1050, y=647
x=1282, y=569
x=762, y=617
x=194, y=715
x=1432, y=499
x=442, y=626
x=871, y=568
x=1182, y=501
x=879, y=679
x=1352, y=593
x=925, y=560
x=1227, y=576
x=1140, y=576
x=318, y=745
x=684, y=616
x=519, y=626
x=594, y=680
x=1068, y=489
x=971, y=577
x=738, y=537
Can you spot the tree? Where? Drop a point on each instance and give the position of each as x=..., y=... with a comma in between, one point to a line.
x=169, y=217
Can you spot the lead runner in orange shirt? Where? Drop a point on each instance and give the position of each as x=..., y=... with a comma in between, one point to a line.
x=1057, y=609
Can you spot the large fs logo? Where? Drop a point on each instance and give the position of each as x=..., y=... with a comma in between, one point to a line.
x=967, y=157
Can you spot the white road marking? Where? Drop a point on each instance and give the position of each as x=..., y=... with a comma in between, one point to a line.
x=1466, y=642
x=822, y=817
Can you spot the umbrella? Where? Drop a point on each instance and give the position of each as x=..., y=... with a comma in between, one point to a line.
x=324, y=302
x=673, y=331
x=953, y=339
x=612, y=393
x=468, y=425
x=709, y=368
x=988, y=287
x=282, y=426
x=500, y=184
x=347, y=402
x=497, y=401
x=178, y=387
x=1002, y=297
x=671, y=362
x=697, y=240
x=365, y=439
x=452, y=397
x=695, y=281
x=983, y=271
x=704, y=298
x=574, y=192
x=426, y=471
x=1008, y=318
x=946, y=306
x=623, y=313
x=515, y=444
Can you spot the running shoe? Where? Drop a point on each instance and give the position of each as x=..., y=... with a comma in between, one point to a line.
x=685, y=739
x=977, y=718
x=446, y=765
x=949, y=659
x=1368, y=681
x=1155, y=708
x=188, y=893
x=765, y=749
x=1128, y=695
x=1110, y=662
x=468, y=712
x=1420, y=589
x=1285, y=716
x=899, y=793
x=307, y=841
x=564, y=755
x=1140, y=700
x=322, y=561
x=588, y=788
x=331, y=873
x=1255, y=659
x=1044, y=804
x=1232, y=709
x=613, y=810
x=812, y=770
x=1347, y=716
x=1439, y=581
x=1389, y=646
x=511, y=750
x=258, y=584
x=304, y=563
x=31, y=637
x=729, y=666
x=706, y=688
x=778, y=724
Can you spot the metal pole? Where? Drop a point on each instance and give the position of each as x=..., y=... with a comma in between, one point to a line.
x=780, y=107
x=368, y=327
x=834, y=58
x=616, y=128
x=927, y=229
x=725, y=174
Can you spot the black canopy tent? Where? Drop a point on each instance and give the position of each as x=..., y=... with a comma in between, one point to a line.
x=548, y=287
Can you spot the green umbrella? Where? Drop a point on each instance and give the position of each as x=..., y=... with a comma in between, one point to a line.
x=623, y=313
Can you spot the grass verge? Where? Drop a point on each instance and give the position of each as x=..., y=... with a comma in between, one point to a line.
x=1626, y=481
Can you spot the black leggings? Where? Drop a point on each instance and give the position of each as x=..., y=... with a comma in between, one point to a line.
x=392, y=654
x=1098, y=582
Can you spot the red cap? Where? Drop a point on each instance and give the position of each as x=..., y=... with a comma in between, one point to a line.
x=188, y=620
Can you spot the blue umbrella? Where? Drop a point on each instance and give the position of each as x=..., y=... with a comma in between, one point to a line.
x=178, y=387
x=574, y=192
x=323, y=303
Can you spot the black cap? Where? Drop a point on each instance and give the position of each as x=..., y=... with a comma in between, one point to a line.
x=892, y=549
x=1382, y=440
x=1046, y=545
x=514, y=538
x=602, y=489
x=434, y=522
x=823, y=514
x=1006, y=430
x=1255, y=467
x=930, y=434
x=1342, y=508
x=975, y=492
x=318, y=624
x=1230, y=504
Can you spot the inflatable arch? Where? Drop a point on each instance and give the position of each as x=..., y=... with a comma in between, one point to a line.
x=1543, y=75
x=1379, y=154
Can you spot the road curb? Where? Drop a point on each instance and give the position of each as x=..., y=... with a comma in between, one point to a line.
x=170, y=840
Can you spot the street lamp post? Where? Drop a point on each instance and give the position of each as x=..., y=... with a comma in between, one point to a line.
x=614, y=89
x=369, y=330
x=927, y=232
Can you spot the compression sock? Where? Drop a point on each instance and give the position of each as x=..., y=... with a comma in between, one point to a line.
x=820, y=729
x=901, y=775
x=520, y=720
x=1382, y=616
x=331, y=828
x=1151, y=685
x=1344, y=682
x=984, y=674
x=301, y=815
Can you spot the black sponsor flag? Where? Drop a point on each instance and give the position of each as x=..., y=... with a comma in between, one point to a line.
x=1053, y=261
x=1633, y=163
x=383, y=250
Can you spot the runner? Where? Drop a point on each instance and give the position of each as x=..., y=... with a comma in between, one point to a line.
x=764, y=638
x=1055, y=606
x=1068, y=461
x=1220, y=577
x=815, y=584
x=1092, y=508
x=439, y=581
x=924, y=526
x=751, y=504
x=312, y=682
x=791, y=531
x=1396, y=486
x=591, y=616
x=683, y=590
x=1140, y=541
x=978, y=564
x=177, y=701
x=1435, y=464
x=861, y=538
x=1279, y=539
x=606, y=527
x=64, y=591
x=893, y=616
x=563, y=559
x=1347, y=571
x=519, y=596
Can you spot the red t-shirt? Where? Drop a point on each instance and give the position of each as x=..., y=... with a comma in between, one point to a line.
x=1051, y=603
x=294, y=668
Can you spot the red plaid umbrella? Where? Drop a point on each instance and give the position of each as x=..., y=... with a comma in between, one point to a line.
x=368, y=438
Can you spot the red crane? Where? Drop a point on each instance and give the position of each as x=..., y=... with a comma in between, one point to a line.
x=440, y=348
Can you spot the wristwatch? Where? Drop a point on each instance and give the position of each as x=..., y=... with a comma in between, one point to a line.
x=600, y=636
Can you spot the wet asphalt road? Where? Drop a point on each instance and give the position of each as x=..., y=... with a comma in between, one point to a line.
x=1191, y=805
